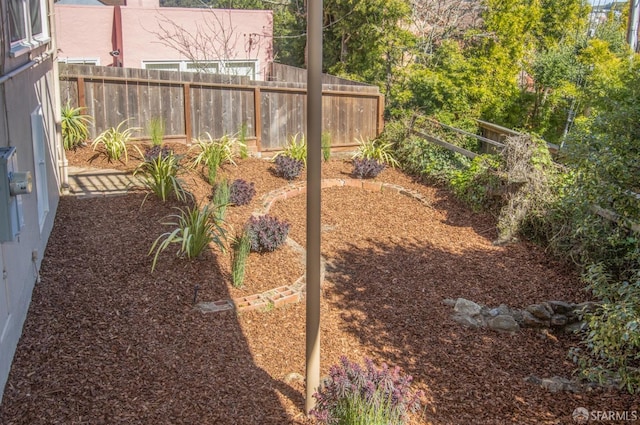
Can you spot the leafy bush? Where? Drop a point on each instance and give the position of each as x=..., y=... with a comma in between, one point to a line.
x=156, y=130
x=194, y=230
x=114, y=141
x=155, y=151
x=74, y=126
x=326, y=146
x=613, y=341
x=287, y=167
x=267, y=233
x=378, y=149
x=241, y=192
x=356, y=395
x=221, y=198
x=366, y=168
x=213, y=153
x=241, y=246
x=477, y=184
x=160, y=175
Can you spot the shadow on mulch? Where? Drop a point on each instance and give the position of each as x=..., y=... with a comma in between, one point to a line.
x=108, y=342
x=456, y=366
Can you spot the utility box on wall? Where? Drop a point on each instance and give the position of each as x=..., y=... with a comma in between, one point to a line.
x=13, y=184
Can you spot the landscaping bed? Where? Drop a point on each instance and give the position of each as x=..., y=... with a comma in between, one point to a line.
x=106, y=341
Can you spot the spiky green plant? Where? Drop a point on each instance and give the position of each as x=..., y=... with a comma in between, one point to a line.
x=160, y=176
x=376, y=149
x=221, y=195
x=241, y=246
x=242, y=141
x=326, y=146
x=156, y=129
x=194, y=229
x=114, y=141
x=296, y=149
x=213, y=153
x=75, y=126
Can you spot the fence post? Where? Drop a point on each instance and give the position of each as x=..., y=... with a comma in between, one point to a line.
x=380, y=119
x=82, y=100
x=257, y=118
x=187, y=112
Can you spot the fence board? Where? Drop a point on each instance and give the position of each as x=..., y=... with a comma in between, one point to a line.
x=221, y=104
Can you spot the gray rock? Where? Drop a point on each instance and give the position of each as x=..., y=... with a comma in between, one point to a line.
x=559, y=320
x=558, y=383
x=449, y=302
x=503, y=323
x=466, y=320
x=504, y=309
x=540, y=311
x=530, y=321
x=561, y=307
x=466, y=307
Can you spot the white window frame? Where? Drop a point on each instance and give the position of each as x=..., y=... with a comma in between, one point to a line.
x=242, y=68
x=40, y=164
x=30, y=40
x=80, y=61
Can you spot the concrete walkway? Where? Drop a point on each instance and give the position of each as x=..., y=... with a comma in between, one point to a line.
x=90, y=182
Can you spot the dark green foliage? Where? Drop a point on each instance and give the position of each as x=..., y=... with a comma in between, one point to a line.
x=160, y=175
x=367, y=168
x=369, y=395
x=267, y=233
x=220, y=198
x=477, y=184
x=287, y=167
x=241, y=192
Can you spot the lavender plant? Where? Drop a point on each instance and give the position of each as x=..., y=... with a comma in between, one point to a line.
x=267, y=233
x=155, y=151
x=367, y=168
x=241, y=192
x=365, y=395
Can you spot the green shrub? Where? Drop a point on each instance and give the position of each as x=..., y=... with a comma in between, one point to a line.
x=221, y=194
x=212, y=154
x=241, y=246
x=242, y=142
x=156, y=130
x=477, y=184
x=194, y=229
x=114, y=141
x=612, y=343
x=376, y=149
x=160, y=175
x=75, y=126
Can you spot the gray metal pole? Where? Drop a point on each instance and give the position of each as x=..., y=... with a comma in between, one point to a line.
x=314, y=150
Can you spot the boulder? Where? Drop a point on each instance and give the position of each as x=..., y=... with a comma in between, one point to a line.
x=466, y=307
x=503, y=323
x=531, y=321
x=466, y=320
x=561, y=307
x=540, y=311
x=559, y=320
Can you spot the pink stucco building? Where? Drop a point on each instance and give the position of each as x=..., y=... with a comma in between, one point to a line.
x=141, y=34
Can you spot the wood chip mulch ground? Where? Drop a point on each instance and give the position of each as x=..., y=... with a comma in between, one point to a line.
x=108, y=342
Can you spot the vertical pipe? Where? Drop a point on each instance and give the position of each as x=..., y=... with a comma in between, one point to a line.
x=314, y=150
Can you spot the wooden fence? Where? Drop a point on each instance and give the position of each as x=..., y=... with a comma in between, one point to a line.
x=193, y=104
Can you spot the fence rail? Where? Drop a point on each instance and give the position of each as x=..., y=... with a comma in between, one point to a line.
x=194, y=104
